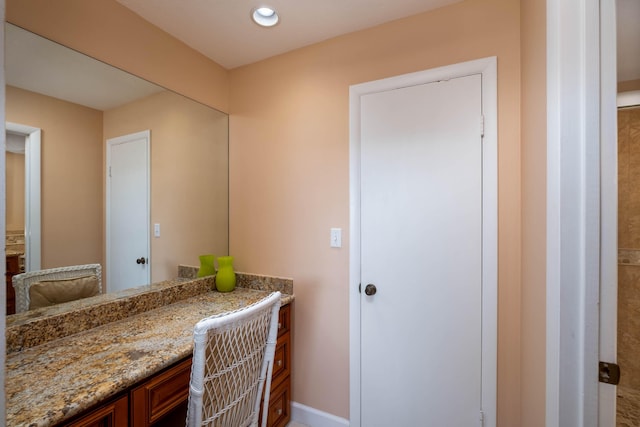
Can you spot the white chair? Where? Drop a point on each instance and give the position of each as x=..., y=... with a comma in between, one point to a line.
x=23, y=282
x=232, y=363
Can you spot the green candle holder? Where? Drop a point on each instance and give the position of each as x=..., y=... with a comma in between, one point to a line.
x=207, y=267
x=225, y=277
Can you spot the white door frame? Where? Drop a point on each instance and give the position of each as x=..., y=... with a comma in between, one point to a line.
x=581, y=209
x=608, y=290
x=488, y=68
x=32, y=191
x=146, y=134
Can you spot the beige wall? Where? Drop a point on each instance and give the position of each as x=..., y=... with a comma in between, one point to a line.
x=289, y=163
x=71, y=167
x=534, y=137
x=15, y=191
x=112, y=33
x=290, y=177
x=189, y=176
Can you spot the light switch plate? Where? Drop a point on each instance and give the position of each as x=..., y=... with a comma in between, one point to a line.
x=156, y=230
x=336, y=237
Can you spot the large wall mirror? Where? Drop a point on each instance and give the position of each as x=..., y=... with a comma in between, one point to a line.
x=65, y=112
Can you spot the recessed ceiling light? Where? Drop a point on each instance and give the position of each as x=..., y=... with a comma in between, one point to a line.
x=265, y=16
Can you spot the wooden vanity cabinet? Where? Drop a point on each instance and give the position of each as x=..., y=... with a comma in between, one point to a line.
x=161, y=401
x=280, y=394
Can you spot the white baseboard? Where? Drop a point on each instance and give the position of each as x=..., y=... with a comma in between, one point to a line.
x=315, y=418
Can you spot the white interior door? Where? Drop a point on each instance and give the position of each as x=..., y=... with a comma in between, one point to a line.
x=421, y=246
x=128, y=211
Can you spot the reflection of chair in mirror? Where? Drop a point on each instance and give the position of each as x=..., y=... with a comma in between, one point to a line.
x=232, y=360
x=44, y=288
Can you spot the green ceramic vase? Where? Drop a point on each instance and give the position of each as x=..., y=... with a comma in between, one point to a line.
x=225, y=277
x=207, y=267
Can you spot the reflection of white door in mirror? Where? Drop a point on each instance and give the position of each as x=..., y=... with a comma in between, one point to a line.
x=72, y=98
x=31, y=137
x=128, y=211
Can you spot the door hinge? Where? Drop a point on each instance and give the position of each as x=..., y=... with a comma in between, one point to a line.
x=481, y=126
x=109, y=171
x=609, y=373
x=359, y=288
x=481, y=419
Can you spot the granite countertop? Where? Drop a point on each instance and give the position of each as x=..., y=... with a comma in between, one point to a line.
x=53, y=381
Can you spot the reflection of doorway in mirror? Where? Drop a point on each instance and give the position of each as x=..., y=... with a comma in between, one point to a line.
x=15, y=197
x=128, y=211
x=26, y=139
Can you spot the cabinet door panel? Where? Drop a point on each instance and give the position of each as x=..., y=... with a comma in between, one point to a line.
x=280, y=405
x=281, y=361
x=284, y=320
x=114, y=414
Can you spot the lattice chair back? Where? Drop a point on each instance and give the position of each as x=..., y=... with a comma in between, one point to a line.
x=23, y=281
x=232, y=364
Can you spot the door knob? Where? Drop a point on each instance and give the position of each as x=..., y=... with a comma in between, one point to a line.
x=141, y=260
x=370, y=289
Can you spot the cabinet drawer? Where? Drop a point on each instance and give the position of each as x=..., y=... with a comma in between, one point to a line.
x=279, y=405
x=281, y=360
x=284, y=320
x=161, y=395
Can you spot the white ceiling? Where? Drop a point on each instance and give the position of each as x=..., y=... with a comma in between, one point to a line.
x=223, y=30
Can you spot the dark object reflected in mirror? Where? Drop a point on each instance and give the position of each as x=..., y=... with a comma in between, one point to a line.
x=80, y=107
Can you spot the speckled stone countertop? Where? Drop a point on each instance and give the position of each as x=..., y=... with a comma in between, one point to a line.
x=55, y=380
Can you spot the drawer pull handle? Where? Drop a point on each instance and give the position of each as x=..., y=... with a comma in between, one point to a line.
x=279, y=325
x=279, y=362
x=279, y=411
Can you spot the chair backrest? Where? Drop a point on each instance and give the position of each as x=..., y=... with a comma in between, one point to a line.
x=22, y=282
x=232, y=364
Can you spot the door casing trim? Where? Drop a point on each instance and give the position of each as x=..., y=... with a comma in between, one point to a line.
x=581, y=211
x=487, y=67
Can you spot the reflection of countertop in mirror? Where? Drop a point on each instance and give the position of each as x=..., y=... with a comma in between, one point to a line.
x=50, y=382
x=35, y=327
